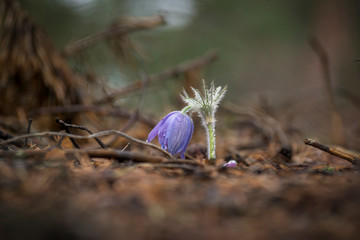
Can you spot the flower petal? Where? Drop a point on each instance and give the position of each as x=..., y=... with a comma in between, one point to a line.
x=155, y=131
x=163, y=140
x=180, y=133
x=163, y=131
x=189, y=135
x=173, y=134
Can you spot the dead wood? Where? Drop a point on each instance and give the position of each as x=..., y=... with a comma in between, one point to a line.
x=168, y=73
x=21, y=143
x=118, y=29
x=98, y=134
x=67, y=127
x=333, y=151
x=92, y=153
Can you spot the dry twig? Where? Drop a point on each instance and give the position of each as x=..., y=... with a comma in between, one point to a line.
x=168, y=73
x=352, y=159
x=67, y=125
x=116, y=29
x=92, y=153
x=7, y=137
x=98, y=134
x=28, y=130
x=66, y=128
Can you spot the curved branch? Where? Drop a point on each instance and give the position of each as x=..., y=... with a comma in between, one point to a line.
x=98, y=134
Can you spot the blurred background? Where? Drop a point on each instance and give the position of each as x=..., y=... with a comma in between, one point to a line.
x=264, y=53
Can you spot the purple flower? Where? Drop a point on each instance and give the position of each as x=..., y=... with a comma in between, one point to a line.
x=174, y=132
x=230, y=164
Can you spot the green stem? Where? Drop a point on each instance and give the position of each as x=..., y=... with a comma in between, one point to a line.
x=211, y=141
x=185, y=109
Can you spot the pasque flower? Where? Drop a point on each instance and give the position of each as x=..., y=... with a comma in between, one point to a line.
x=174, y=132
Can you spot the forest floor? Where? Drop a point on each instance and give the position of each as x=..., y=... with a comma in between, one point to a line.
x=46, y=196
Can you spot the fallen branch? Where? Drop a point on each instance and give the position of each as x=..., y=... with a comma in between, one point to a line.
x=67, y=125
x=98, y=153
x=352, y=159
x=98, y=134
x=168, y=73
x=66, y=128
x=124, y=155
x=116, y=29
x=10, y=138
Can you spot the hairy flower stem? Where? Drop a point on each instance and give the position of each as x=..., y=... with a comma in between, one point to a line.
x=211, y=141
x=205, y=105
x=185, y=109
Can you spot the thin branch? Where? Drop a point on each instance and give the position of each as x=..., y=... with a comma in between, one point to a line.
x=99, y=153
x=8, y=138
x=124, y=155
x=65, y=127
x=116, y=29
x=352, y=159
x=98, y=134
x=102, y=145
x=29, y=125
x=168, y=73
x=28, y=130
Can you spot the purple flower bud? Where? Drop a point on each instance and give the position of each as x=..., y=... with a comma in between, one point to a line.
x=231, y=164
x=174, y=132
